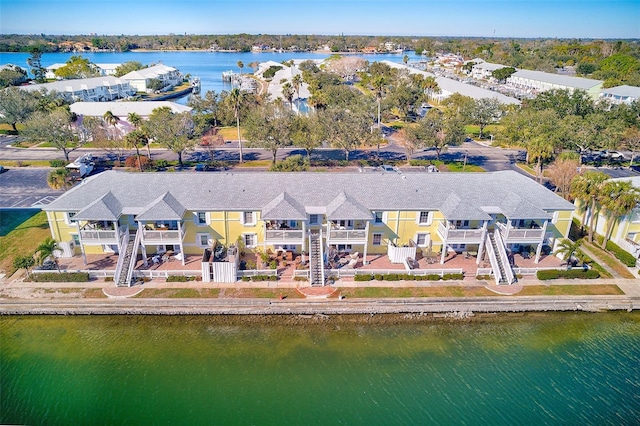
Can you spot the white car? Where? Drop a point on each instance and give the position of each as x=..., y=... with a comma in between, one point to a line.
x=389, y=169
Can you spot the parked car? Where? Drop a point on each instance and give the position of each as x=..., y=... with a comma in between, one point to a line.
x=389, y=169
x=2, y=169
x=201, y=167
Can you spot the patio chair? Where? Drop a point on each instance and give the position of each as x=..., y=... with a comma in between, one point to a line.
x=351, y=264
x=354, y=255
x=178, y=256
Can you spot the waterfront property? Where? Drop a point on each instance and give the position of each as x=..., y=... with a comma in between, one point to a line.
x=621, y=94
x=141, y=79
x=626, y=229
x=329, y=224
x=95, y=89
x=122, y=110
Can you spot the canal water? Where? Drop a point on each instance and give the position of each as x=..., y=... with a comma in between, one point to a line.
x=575, y=369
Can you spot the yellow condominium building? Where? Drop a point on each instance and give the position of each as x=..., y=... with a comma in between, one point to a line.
x=137, y=215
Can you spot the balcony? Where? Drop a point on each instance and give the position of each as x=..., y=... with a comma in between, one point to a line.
x=520, y=235
x=347, y=236
x=460, y=236
x=160, y=236
x=283, y=236
x=91, y=235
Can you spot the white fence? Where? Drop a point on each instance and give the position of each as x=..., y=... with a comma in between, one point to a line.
x=400, y=254
x=254, y=272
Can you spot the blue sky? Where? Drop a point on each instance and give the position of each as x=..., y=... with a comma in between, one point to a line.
x=502, y=18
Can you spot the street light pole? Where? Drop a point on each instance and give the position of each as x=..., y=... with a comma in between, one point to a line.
x=465, y=160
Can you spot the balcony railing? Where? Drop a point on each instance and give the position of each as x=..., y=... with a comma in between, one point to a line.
x=348, y=235
x=162, y=237
x=284, y=235
x=520, y=234
x=101, y=236
x=94, y=236
x=460, y=235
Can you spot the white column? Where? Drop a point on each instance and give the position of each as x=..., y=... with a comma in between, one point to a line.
x=181, y=246
x=483, y=240
x=366, y=243
x=84, y=255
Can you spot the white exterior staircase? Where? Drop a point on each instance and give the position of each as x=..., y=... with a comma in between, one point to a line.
x=316, y=259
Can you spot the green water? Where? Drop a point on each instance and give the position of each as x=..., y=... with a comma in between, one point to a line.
x=540, y=369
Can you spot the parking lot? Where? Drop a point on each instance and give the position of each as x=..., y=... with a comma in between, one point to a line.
x=26, y=188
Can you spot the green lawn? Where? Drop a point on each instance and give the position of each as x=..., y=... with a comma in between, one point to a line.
x=21, y=231
x=474, y=130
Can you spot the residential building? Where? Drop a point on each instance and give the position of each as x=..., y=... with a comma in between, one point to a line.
x=626, y=230
x=534, y=82
x=140, y=79
x=620, y=94
x=449, y=86
x=95, y=89
x=484, y=70
x=122, y=111
x=387, y=214
x=107, y=69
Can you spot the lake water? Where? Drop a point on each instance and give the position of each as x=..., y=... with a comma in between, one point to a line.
x=208, y=66
x=575, y=369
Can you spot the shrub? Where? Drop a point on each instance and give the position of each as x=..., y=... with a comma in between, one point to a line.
x=379, y=277
x=432, y=277
x=362, y=277
x=271, y=71
x=622, y=255
x=162, y=164
x=273, y=264
x=453, y=277
x=250, y=264
x=245, y=278
x=294, y=163
x=553, y=274
x=75, y=277
x=300, y=278
x=57, y=163
x=108, y=279
x=179, y=279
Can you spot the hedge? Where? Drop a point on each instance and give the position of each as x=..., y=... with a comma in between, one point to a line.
x=553, y=274
x=622, y=255
x=179, y=279
x=60, y=277
x=260, y=278
x=407, y=277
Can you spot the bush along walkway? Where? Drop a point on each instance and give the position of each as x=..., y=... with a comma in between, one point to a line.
x=595, y=255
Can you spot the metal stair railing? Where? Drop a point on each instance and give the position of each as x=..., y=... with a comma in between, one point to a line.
x=495, y=266
x=122, y=254
x=502, y=252
x=133, y=257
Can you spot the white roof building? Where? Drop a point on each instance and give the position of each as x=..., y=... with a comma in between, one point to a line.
x=140, y=79
x=449, y=86
x=484, y=70
x=95, y=89
x=621, y=94
x=534, y=82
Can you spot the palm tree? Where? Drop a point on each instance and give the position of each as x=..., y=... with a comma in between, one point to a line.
x=135, y=120
x=236, y=97
x=46, y=250
x=111, y=119
x=240, y=65
x=297, y=83
x=136, y=139
x=618, y=199
x=567, y=249
x=59, y=178
x=586, y=187
x=430, y=86
x=287, y=93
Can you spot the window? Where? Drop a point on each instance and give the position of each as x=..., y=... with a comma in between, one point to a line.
x=202, y=240
x=461, y=223
x=314, y=219
x=423, y=240
x=344, y=247
x=76, y=239
x=424, y=218
x=248, y=218
x=250, y=240
x=201, y=218
x=377, y=239
x=69, y=218
x=377, y=218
